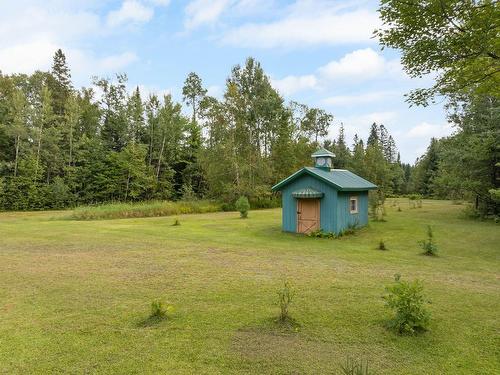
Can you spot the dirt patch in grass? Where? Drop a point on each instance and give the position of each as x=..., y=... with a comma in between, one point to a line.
x=292, y=353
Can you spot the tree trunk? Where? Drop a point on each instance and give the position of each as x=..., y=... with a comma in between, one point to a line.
x=159, y=158
x=70, y=145
x=38, y=151
x=126, y=188
x=18, y=141
x=151, y=139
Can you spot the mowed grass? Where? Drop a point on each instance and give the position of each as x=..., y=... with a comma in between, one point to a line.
x=74, y=295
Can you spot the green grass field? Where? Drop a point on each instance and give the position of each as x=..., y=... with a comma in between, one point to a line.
x=74, y=295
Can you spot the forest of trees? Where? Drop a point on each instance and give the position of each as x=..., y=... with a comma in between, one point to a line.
x=458, y=41
x=61, y=146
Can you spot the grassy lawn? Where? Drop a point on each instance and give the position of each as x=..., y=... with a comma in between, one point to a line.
x=74, y=295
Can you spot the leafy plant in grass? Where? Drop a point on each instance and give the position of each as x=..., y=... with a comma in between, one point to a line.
x=158, y=311
x=408, y=303
x=318, y=233
x=285, y=298
x=354, y=367
x=429, y=245
x=381, y=245
x=243, y=206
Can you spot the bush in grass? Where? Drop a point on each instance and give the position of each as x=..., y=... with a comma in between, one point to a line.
x=354, y=367
x=429, y=245
x=243, y=206
x=285, y=298
x=408, y=303
x=158, y=311
x=381, y=245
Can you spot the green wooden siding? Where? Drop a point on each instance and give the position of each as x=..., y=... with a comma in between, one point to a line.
x=344, y=217
x=335, y=215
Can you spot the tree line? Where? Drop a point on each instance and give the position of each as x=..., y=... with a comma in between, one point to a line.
x=61, y=146
x=458, y=41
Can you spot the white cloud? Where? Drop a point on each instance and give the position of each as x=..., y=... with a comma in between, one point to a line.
x=116, y=62
x=162, y=3
x=308, y=23
x=368, y=97
x=200, y=12
x=27, y=57
x=359, y=64
x=23, y=24
x=30, y=34
x=354, y=67
x=131, y=11
x=292, y=84
x=427, y=130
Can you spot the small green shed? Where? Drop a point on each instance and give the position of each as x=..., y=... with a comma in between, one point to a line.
x=323, y=198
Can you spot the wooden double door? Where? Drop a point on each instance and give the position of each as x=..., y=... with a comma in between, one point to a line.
x=308, y=215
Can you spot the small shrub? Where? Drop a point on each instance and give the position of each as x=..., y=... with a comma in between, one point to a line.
x=429, y=246
x=376, y=201
x=354, y=367
x=176, y=222
x=381, y=245
x=285, y=298
x=415, y=200
x=319, y=233
x=158, y=311
x=243, y=206
x=407, y=301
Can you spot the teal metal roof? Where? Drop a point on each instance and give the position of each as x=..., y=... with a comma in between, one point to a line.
x=341, y=179
x=322, y=152
x=307, y=193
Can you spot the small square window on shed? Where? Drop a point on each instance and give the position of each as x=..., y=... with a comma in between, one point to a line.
x=353, y=205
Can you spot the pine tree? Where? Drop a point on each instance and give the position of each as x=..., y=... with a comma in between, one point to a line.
x=193, y=92
x=135, y=110
x=373, y=138
x=60, y=86
x=341, y=151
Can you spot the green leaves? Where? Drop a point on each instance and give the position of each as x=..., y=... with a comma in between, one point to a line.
x=457, y=39
x=408, y=303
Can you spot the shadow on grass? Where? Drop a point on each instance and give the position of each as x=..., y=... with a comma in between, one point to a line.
x=277, y=326
x=151, y=321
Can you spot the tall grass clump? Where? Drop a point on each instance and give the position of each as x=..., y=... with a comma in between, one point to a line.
x=408, y=303
x=143, y=209
x=354, y=367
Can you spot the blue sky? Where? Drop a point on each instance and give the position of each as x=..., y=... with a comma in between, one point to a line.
x=319, y=52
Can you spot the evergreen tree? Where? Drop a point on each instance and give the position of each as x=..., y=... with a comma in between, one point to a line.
x=60, y=83
x=193, y=92
x=341, y=151
x=135, y=111
x=373, y=138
